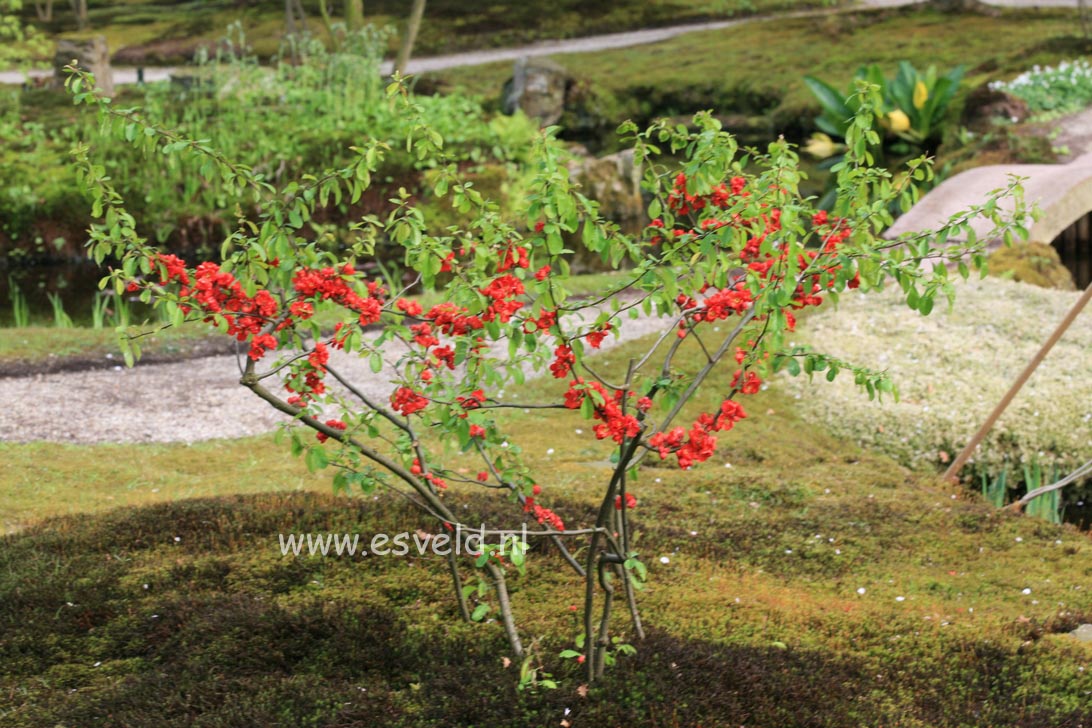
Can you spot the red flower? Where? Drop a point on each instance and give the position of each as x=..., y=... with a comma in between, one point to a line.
x=563, y=361
x=407, y=401
x=631, y=502
x=333, y=424
x=408, y=307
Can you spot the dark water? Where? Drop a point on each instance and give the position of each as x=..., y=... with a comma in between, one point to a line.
x=77, y=285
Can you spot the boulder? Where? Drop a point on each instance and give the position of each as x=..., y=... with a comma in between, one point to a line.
x=614, y=181
x=986, y=106
x=91, y=55
x=1083, y=633
x=538, y=86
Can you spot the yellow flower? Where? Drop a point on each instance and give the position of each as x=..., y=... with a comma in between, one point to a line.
x=921, y=95
x=820, y=146
x=898, y=120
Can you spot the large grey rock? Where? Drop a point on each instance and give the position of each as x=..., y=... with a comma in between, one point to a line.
x=614, y=181
x=90, y=55
x=1083, y=633
x=538, y=86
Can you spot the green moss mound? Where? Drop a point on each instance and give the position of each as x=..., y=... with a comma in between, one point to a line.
x=187, y=614
x=1034, y=263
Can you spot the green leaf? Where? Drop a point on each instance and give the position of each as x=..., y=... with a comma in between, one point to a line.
x=316, y=459
x=479, y=612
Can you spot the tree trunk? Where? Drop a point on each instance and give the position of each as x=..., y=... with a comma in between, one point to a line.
x=289, y=18
x=406, y=50
x=327, y=23
x=79, y=7
x=354, y=14
x=44, y=10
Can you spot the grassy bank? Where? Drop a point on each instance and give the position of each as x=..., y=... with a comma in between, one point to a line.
x=168, y=32
x=796, y=581
x=756, y=70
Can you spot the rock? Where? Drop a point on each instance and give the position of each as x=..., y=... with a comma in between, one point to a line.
x=985, y=107
x=90, y=55
x=614, y=181
x=538, y=86
x=1083, y=633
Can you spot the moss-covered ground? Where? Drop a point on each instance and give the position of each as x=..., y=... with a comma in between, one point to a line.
x=757, y=69
x=795, y=581
x=167, y=32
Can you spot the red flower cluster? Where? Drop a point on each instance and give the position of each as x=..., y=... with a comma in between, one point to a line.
x=173, y=269
x=408, y=307
x=474, y=401
x=312, y=371
x=502, y=290
x=595, y=338
x=215, y=291
x=407, y=401
x=329, y=284
x=453, y=320
x=750, y=383
x=614, y=423
x=631, y=502
x=563, y=361
x=513, y=257
x=334, y=424
x=543, y=515
x=683, y=203
x=699, y=444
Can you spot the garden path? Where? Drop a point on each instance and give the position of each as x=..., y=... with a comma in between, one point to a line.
x=574, y=45
x=187, y=401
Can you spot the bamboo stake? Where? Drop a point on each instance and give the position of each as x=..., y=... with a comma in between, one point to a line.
x=959, y=462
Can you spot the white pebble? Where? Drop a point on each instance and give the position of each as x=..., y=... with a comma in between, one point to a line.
x=1026, y=591
x=665, y=560
x=900, y=599
x=861, y=590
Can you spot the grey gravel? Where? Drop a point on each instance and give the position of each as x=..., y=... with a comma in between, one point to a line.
x=189, y=401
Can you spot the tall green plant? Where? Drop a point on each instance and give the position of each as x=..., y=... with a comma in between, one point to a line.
x=61, y=319
x=20, y=310
x=913, y=106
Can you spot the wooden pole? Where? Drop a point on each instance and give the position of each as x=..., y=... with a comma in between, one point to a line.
x=959, y=462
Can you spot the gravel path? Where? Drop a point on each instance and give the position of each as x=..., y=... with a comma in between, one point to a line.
x=199, y=399
x=573, y=45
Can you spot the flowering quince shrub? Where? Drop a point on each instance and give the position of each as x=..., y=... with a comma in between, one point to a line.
x=728, y=260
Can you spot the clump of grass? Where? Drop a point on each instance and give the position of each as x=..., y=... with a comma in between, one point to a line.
x=61, y=319
x=20, y=310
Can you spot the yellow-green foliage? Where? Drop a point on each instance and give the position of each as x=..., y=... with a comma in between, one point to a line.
x=951, y=369
x=1034, y=263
